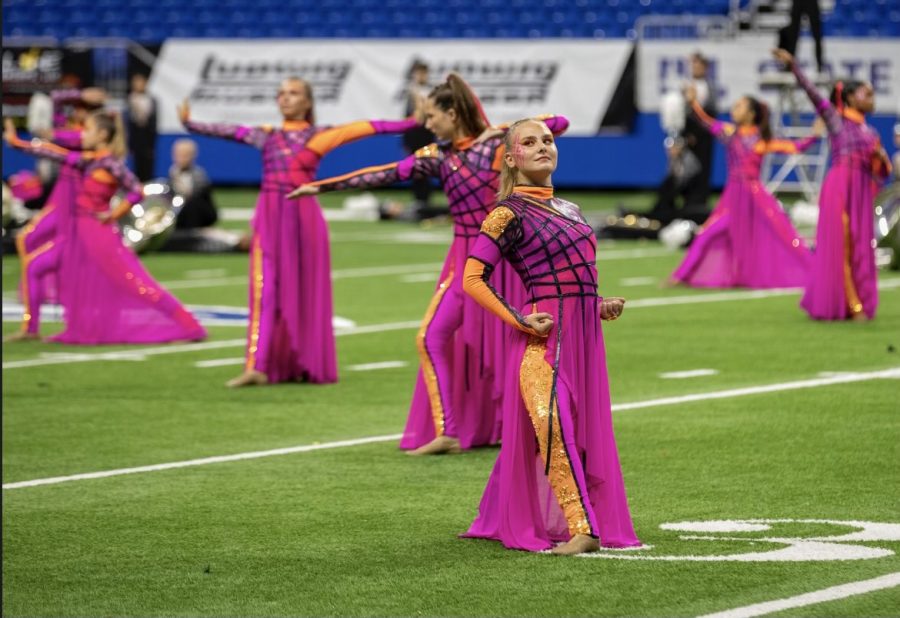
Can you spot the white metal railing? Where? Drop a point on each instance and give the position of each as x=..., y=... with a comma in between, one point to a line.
x=685, y=27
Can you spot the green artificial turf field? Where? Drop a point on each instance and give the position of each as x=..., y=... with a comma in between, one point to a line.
x=794, y=421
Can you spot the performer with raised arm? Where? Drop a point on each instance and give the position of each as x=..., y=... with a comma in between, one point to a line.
x=557, y=477
x=106, y=294
x=843, y=282
x=748, y=240
x=456, y=400
x=43, y=227
x=290, y=336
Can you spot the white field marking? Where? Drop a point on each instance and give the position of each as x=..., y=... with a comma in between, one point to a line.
x=377, y=366
x=401, y=269
x=777, y=548
x=693, y=373
x=299, y=449
x=834, y=593
x=202, y=273
x=150, y=351
x=636, y=304
x=191, y=347
x=220, y=362
x=181, y=284
x=347, y=273
x=204, y=461
x=223, y=362
x=414, y=237
x=717, y=297
x=421, y=278
x=381, y=271
x=636, y=281
x=893, y=373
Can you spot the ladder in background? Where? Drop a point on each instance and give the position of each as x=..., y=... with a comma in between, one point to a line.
x=798, y=173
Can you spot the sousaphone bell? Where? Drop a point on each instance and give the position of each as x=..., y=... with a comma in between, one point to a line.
x=148, y=224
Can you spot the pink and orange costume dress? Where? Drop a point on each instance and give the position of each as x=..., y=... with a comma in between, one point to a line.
x=290, y=336
x=107, y=295
x=42, y=228
x=843, y=280
x=558, y=472
x=748, y=240
x=461, y=350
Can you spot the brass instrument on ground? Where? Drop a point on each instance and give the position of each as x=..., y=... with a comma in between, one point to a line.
x=149, y=223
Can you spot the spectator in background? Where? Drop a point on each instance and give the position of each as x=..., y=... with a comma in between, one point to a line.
x=419, y=136
x=190, y=181
x=696, y=138
x=788, y=36
x=142, y=127
x=683, y=176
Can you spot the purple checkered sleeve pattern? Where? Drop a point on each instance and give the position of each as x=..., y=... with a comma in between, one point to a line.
x=252, y=136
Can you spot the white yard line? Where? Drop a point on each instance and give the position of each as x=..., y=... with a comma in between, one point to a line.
x=346, y=273
x=220, y=362
x=628, y=282
x=65, y=357
x=768, y=388
x=893, y=373
x=691, y=373
x=101, y=356
x=223, y=362
x=643, y=303
x=833, y=593
x=377, y=366
x=203, y=461
x=398, y=269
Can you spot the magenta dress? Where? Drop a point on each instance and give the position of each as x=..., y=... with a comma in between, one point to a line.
x=290, y=335
x=558, y=471
x=843, y=281
x=107, y=295
x=461, y=350
x=748, y=240
x=38, y=236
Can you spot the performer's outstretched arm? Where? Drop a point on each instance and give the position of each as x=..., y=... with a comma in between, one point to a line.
x=327, y=140
x=252, y=136
x=720, y=129
x=423, y=163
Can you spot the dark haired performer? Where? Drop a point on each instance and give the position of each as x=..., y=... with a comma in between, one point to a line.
x=843, y=282
x=748, y=240
x=456, y=402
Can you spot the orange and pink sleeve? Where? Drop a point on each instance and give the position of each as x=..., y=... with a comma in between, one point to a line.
x=498, y=233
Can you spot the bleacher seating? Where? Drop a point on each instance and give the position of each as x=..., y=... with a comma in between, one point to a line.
x=151, y=21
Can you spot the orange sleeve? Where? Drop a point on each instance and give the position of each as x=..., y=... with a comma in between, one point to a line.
x=497, y=164
x=325, y=141
x=785, y=146
x=485, y=256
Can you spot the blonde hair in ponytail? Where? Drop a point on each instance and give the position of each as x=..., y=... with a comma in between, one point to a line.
x=455, y=94
x=111, y=122
x=509, y=174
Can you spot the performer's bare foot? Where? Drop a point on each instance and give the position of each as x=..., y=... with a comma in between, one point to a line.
x=859, y=317
x=439, y=446
x=251, y=377
x=21, y=336
x=578, y=544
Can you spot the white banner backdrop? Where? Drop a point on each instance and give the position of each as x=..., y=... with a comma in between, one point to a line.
x=737, y=67
x=236, y=81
